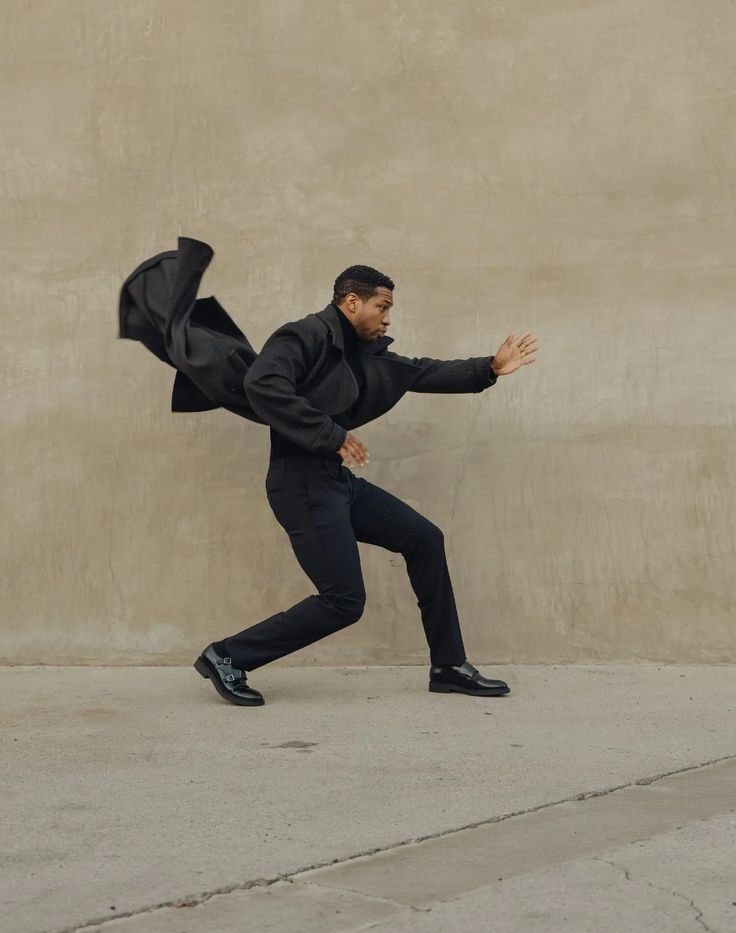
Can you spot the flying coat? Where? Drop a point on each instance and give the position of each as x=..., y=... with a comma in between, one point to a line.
x=298, y=381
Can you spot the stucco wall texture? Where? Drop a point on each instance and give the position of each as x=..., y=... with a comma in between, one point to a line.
x=566, y=168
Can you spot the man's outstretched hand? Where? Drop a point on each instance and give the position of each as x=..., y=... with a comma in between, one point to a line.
x=353, y=449
x=513, y=353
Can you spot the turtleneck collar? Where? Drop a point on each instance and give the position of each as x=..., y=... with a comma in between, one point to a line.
x=349, y=333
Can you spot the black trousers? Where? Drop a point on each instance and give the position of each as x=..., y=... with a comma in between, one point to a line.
x=326, y=509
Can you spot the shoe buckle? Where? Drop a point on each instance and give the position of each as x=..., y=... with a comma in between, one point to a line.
x=230, y=677
x=225, y=661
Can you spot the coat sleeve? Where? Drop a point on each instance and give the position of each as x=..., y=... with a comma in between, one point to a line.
x=465, y=375
x=271, y=387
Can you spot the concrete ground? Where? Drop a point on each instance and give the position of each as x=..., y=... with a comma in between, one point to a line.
x=591, y=798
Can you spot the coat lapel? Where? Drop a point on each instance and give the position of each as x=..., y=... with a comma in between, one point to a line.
x=387, y=378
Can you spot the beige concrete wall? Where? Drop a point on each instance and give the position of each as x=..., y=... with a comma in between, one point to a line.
x=566, y=168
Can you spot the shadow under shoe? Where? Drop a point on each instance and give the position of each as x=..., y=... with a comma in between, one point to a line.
x=464, y=678
x=230, y=682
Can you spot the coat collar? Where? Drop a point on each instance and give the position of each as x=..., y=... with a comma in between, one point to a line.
x=330, y=317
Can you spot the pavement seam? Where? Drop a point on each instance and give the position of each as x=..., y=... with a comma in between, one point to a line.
x=373, y=897
x=196, y=899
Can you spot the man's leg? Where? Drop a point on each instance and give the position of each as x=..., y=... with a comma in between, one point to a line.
x=313, y=507
x=378, y=517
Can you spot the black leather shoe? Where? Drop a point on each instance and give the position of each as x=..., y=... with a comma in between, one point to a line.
x=464, y=678
x=229, y=681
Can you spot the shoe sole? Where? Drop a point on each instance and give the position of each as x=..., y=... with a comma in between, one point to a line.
x=201, y=667
x=456, y=688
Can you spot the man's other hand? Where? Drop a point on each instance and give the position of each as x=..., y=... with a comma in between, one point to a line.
x=353, y=450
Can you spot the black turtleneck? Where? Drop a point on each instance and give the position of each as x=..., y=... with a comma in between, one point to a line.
x=281, y=446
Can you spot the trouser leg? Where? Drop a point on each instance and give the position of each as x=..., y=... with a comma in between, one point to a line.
x=313, y=507
x=378, y=517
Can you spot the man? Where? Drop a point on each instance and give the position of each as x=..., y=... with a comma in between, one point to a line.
x=313, y=380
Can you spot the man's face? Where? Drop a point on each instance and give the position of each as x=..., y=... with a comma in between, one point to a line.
x=370, y=317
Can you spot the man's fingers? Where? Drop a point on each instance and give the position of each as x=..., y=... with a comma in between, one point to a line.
x=354, y=450
x=360, y=453
x=358, y=447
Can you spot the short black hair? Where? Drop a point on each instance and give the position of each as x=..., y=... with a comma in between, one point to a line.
x=362, y=280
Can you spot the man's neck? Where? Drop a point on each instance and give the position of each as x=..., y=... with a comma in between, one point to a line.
x=349, y=326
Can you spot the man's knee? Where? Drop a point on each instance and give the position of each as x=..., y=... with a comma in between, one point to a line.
x=435, y=535
x=349, y=605
x=427, y=535
x=352, y=606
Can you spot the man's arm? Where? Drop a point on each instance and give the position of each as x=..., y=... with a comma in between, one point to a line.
x=270, y=385
x=466, y=375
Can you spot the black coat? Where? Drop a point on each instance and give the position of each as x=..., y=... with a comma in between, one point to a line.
x=298, y=380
